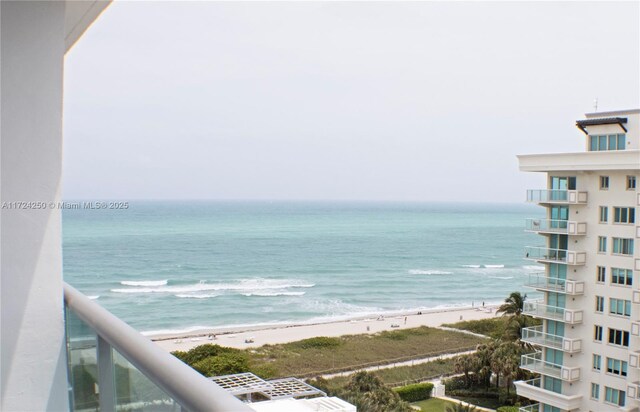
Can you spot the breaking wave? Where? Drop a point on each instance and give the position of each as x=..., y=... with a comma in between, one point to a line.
x=144, y=282
x=197, y=296
x=429, y=272
x=245, y=285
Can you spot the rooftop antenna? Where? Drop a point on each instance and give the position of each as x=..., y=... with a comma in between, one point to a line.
x=595, y=105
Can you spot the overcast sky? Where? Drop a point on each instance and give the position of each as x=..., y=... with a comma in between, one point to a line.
x=359, y=101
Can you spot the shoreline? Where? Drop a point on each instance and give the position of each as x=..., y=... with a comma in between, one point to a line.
x=255, y=336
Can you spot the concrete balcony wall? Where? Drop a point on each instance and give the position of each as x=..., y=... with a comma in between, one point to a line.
x=35, y=36
x=531, y=389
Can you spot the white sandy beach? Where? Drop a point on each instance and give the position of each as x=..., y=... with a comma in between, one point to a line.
x=263, y=335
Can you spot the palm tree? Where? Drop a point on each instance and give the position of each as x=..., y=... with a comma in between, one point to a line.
x=459, y=407
x=482, y=361
x=464, y=364
x=513, y=305
x=369, y=393
x=505, y=361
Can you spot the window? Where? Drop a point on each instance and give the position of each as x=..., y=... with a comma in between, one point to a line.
x=614, y=396
x=595, y=391
x=607, y=142
x=622, y=246
x=616, y=367
x=597, y=334
x=620, y=307
x=604, y=214
x=599, y=304
x=597, y=362
x=624, y=215
x=604, y=182
x=563, y=183
x=602, y=244
x=601, y=274
x=631, y=182
x=619, y=337
x=552, y=384
x=621, y=277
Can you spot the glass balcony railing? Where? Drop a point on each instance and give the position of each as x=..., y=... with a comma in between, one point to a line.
x=553, y=196
x=540, y=281
x=530, y=408
x=538, y=309
x=533, y=362
x=111, y=367
x=533, y=389
x=550, y=255
x=565, y=227
x=536, y=336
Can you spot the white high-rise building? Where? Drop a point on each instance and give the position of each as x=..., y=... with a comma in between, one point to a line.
x=588, y=347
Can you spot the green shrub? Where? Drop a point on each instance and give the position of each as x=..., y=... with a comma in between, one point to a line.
x=368, y=393
x=469, y=393
x=507, y=409
x=416, y=392
x=180, y=354
x=203, y=352
x=265, y=371
x=223, y=364
x=318, y=343
x=454, y=383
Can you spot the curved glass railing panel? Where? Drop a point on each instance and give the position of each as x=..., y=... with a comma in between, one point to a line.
x=112, y=367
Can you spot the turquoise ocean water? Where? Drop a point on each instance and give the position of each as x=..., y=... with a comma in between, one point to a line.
x=179, y=266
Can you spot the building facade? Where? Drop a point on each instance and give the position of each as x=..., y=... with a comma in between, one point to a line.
x=588, y=347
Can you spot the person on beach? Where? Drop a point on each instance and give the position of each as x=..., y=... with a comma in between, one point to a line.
x=405, y=320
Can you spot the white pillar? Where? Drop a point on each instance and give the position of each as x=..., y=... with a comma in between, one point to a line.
x=34, y=371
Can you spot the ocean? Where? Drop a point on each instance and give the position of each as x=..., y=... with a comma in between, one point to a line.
x=180, y=266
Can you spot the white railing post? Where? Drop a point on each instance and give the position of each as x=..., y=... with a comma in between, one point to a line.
x=106, y=376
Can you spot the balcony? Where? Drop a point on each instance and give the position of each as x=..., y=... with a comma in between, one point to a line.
x=533, y=362
x=635, y=328
x=542, y=311
x=530, y=408
x=560, y=197
x=540, y=281
x=536, y=336
x=113, y=367
x=634, y=359
x=563, y=227
x=533, y=389
x=633, y=390
x=544, y=254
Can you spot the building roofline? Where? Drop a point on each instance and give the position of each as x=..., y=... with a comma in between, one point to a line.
x=583, y=124
x=612, y=113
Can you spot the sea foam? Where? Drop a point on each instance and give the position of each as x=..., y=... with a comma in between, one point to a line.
x=245, y=285
x=429, y=272
x=144, y=282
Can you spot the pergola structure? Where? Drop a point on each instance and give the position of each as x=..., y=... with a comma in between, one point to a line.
x=247, y=384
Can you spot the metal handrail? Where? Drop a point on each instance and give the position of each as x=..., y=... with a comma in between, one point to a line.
x=186, y=386
x=534, y=224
